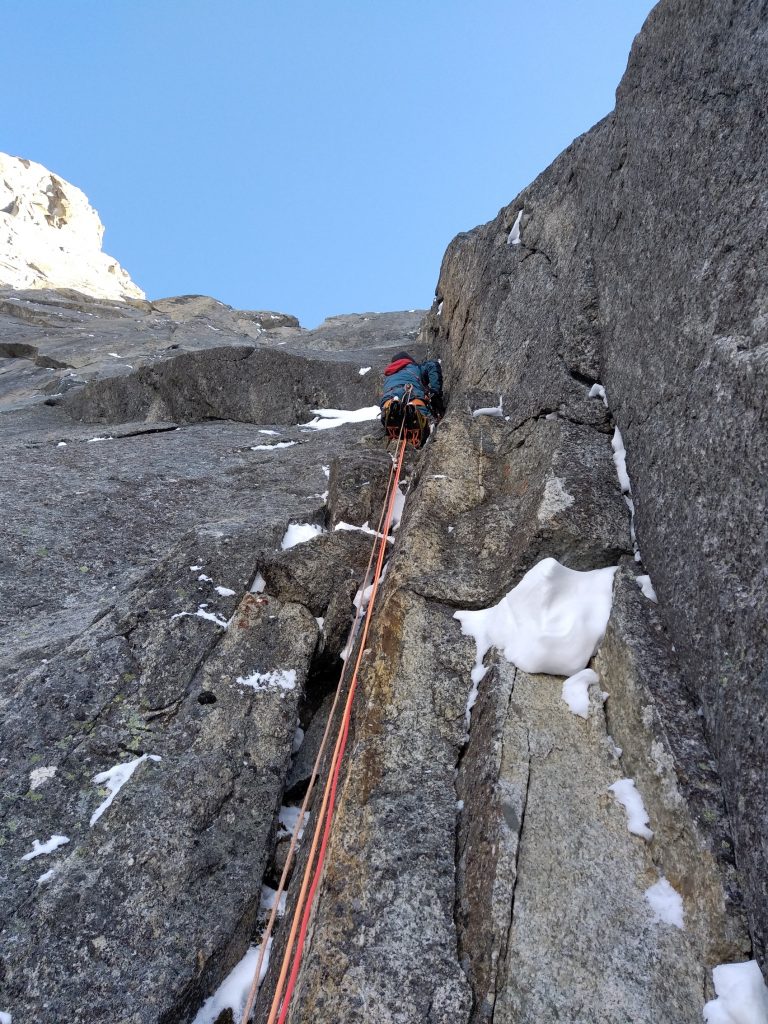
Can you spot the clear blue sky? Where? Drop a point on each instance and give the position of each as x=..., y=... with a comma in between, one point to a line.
x=310, y=157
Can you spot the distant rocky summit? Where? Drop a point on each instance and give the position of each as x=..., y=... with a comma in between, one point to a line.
x=190, y=493
x=50, y=235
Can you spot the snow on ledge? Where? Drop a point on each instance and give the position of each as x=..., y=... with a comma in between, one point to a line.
x=551, y=622
x=494, y=410
x=576, y=691
x=325, y=419
x=299, y=533
x=742, y=996
x=232, y=993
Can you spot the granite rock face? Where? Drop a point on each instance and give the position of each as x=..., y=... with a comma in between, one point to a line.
x=130, y=630
x=50, y=235
x=641, y=265
x=479, y=869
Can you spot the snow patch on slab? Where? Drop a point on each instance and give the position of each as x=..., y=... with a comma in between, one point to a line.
x=494, y=410
x=513, y=238
x=46, y=876
x=232, y=993
x=363, y=370
x=5, y=1018
x=201, y=613
x=620, y=461
x=299, y=533
x=551, y=622
x=742, y=996
x=114, y=779
x=270, y=433
x=637, y=817
x=325, y=419
x=225, y=591
x=38, y=848
x=644, y=582
x=576, y=691
x=666, y=903
x=271, y=447
x=277, y=679
x=598, y=391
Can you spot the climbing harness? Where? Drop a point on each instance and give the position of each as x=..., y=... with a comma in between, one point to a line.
x=286, y=982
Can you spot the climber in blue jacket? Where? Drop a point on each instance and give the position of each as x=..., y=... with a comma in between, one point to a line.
x=414, y=391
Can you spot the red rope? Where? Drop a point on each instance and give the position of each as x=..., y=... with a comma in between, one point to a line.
x=329, y=801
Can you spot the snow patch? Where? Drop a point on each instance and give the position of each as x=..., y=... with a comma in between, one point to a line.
x=271, y=447
x=365, y=528
x=90, y=440
x=598, y=391
x=513, y=238
x=363, y=370
x=576, y=691
x=267, y=902
x=288, y=818
x=327, y=418
x=232, y=993
x=38, y=848
x=620, y=461
x=666, y=903
x=742, y=996
x=397, y=508
x=644, y=582
x=637, y=817
x=259, y=585
x=551, y=622
x=5, y=1018
x=299, y=533
x=46, y=876
x=225, y=591
x=495, y=410
x=114, y=779
x=201, y=613
x=277, y=679
x=270, y=433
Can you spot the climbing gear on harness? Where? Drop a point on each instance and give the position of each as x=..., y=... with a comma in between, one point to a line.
x=408, y=417
x=281, y=1002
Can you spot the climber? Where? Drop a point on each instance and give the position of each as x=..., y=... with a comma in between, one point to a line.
x=414, y=392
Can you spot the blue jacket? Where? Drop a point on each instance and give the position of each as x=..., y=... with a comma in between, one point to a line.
x=426, y=379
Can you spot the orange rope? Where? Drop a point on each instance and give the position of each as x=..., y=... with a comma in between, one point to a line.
x=388, y=500
x=329, y=795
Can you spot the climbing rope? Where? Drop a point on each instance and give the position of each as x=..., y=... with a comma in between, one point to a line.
x=378, y=551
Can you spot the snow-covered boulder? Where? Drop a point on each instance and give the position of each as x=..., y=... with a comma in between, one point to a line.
x=50, y=235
